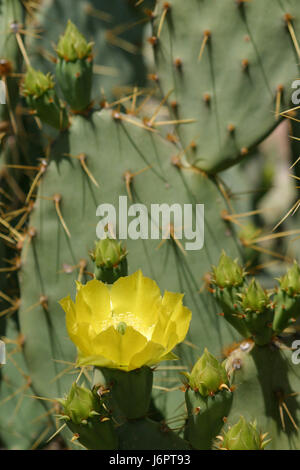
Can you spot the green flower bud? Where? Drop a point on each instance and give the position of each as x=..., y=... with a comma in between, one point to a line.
x=110, y=258
x=80, y=404
x=38, y=89
x=36, y=83
x=108, y=252
x=257, y=312
x=73, y=45
x=87, y=418
x=254, y=298
x=208, y=375
x=243, y=436
x=291, y=281
x=74, y=69
x=228, y=273
x=208, y=401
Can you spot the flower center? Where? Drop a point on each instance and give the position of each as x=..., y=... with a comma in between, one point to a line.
x=121, y=328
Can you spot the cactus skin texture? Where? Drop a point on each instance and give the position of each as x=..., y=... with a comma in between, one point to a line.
x=156, y=436
x=225, y=78
x=130, y=391
x=205, y=417
x=23, y=419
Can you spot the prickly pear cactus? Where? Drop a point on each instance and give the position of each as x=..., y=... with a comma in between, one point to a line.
x=226, y=80
x=68, y=158
x=58, y=251
x=262, y=366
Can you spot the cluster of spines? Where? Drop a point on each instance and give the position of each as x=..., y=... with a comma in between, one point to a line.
x=253, y=311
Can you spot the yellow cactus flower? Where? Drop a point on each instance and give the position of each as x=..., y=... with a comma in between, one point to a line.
x=127, y=325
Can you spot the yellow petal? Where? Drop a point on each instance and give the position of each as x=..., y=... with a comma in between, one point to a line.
x=173, y=324
x=117, y=348
x=93, y=304
x=98, y=361
x=165, y=333
x=69, y=307
x=178, y=313
x=138, y=295
x=82, y=335
x=170, y=356
x=149, y=355
x=79, y=285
